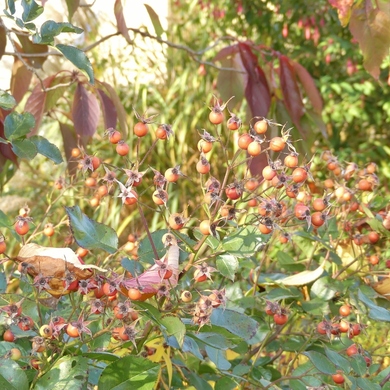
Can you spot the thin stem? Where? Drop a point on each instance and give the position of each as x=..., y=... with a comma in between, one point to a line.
x=145, y=223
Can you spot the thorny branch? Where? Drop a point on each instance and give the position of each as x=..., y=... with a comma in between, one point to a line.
x=194, y=54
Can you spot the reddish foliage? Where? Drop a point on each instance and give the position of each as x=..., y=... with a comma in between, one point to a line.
x=85, y=112
x=109, y=110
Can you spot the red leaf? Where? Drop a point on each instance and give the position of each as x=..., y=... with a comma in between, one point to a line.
x=371, y=28
x=121, y=113
x=85, y=112
x=6, y=149
x=120, y=20
x=291, y=94
x=3, y=41
x=36, y=102
x=226, y=52
x=309, y=86
x=29, y=47
x=343, y=10
x=257, y=91
x=70, y=142
x=20, y=80
x=230, y=83
x=109, y=111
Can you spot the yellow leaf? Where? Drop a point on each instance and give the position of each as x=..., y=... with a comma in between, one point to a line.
x=302, y=278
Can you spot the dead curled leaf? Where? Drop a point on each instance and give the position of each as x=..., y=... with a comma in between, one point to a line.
x=383, y=287
x=53, y=263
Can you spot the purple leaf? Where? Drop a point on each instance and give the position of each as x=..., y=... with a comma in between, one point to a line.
x=226, y=52
x=120, y=20
x=109, y=111
x=257, y=90
x=309, y=86
x=36, y=102
x=291, y=93
x=85, y=112
x=6, y=149
x=70, y=142
x=121, y=113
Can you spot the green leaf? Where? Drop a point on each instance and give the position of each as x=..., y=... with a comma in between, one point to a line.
x=101, y=356
x=133, y=266
x=7, y=101
x=78, y=58
x=244, y=242
x=235, y=322
x=218, y=358
x=47, y=149
x=130, y=372
x=358, y=364
x=24, y=148
x=12, y=377
x=227, y=265
x=281, y=293
x=3, y=282
x=150, y=311
x=155, y=20
x=91, y=234
x=174, y=327
x=325, y=288
x=4, y=220
x=213, y=339
x=67, y=373
x=11, y=6
x=51, y=29
x=190, y=345
x=31, y=10
x=366, y=384
x=375, y=312
x=18, y=125
x=225, y=383
x=315, y=306
x=72, y=7
x=321, y=362
x=198, y=382
x=338, y=359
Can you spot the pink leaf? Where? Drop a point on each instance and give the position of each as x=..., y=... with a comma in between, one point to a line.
x=85, y=112
x=226, y=52
x=371, y=28
x=151, y=278
x=36, y=102
x=20, y=80
x=257, y=91
x=121, y=113
x=291, y=94
x=120, y=20
x=309, y=86
x=109, y=111
x=343, y=10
